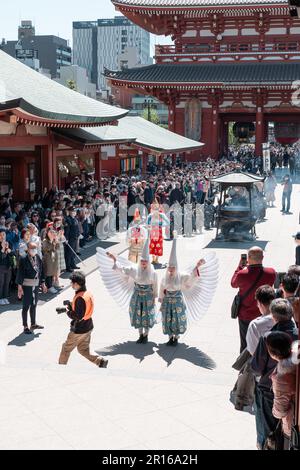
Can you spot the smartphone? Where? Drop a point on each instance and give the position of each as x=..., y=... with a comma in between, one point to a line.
x=244, y=259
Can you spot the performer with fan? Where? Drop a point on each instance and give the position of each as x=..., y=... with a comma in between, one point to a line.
x=133, y=285
x=156, y=220
x=136, y=237
x=187, y=295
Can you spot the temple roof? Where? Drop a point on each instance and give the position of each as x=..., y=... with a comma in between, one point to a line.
x=218, y=74
x=34, y=98
x=196, y=3
x=135, y=130
x=237, y=177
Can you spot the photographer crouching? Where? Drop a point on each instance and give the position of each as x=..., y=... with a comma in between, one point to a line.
x=80, y=311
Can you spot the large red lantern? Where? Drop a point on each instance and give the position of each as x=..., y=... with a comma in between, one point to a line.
x=287, y=132
x=243, y=131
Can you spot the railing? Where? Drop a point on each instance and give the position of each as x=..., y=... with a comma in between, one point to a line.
x=210, y=49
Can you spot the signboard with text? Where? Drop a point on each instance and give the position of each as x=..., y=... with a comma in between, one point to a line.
x=266, y=158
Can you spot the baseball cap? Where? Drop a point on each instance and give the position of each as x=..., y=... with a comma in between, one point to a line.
x=297, y=236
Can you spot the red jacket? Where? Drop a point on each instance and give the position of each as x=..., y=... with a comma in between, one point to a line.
x=243, y=278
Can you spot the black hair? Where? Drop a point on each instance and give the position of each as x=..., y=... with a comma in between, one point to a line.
x=290, y=283
x=294, y=269
x=265, y=294
x=78, y=278
x=279, y=344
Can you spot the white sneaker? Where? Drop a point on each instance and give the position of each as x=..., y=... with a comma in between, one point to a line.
x=53, y=290
x=2, y=302
x=6, y=302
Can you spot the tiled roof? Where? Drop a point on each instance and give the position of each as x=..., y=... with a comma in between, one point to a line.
x=38, y=96
x=211, y=73
x=197, y=3
x=237, y=177
x=135, y=130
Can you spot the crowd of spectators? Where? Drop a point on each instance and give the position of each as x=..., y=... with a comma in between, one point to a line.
x=282, y=157
x=268, y=323
x=62, y=222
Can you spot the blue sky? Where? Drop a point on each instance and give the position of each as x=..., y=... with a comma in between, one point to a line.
x=54, y=16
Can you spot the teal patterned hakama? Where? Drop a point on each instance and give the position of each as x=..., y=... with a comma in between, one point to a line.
x=142, y=307
x=173, y=311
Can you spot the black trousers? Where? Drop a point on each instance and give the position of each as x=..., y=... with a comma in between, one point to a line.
x=243, y=327
x=69, y=255
x=49, y=282
x=5, y=277
x=30, y=301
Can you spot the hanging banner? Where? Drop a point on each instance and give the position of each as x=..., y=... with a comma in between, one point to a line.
x=266, y=158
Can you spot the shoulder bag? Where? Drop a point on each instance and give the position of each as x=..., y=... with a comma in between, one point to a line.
x=238, y=299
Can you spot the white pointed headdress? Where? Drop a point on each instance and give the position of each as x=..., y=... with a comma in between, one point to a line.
x=145, y=253
x=173, y=255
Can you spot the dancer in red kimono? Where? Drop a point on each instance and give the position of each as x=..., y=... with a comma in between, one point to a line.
x=156, y=221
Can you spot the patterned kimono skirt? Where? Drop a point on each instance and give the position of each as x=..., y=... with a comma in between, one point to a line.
x=135, y=251
x=142, y=307
x=156, y=242
x=61, y=258
x=173, y=311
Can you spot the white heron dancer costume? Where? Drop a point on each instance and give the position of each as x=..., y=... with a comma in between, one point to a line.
x=186, y=296
x=133, y=287
x=136, y=237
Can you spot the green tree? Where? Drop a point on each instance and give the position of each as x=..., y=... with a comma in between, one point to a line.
x=232, y=140
x=72, y=84
x=153, y=115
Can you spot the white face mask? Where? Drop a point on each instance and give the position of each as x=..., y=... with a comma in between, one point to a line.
x=33, y=253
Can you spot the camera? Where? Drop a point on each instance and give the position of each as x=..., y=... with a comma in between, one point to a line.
x=61, y=310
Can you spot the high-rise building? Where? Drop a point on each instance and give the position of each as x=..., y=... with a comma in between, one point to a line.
x=52, y=52
x=26, y=30
x=76, y=78
x=98, y=45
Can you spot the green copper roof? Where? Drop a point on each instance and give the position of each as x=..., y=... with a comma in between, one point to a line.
x=33, y=93
x=136, y=130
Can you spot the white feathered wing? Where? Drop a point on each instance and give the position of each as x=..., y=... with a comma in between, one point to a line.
x=118, y=285
x=199, y=296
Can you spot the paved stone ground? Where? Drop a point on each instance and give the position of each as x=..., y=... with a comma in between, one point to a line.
x=151, y=396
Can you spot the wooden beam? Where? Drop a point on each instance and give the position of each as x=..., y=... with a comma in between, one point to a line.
x=24, y=141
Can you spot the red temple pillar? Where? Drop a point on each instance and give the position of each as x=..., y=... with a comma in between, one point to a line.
x=54, y=168
x=160, y=160
x=144, y=162
x=215, y=131
x=47, y=166
x=97, y=165
x=224, y=138
x=50, y=166
x=172, y=115
x=259, y=131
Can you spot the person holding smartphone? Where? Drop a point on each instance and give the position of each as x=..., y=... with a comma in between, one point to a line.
x=249, y=275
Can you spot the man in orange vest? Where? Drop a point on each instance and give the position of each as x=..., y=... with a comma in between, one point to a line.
x=80, y=311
